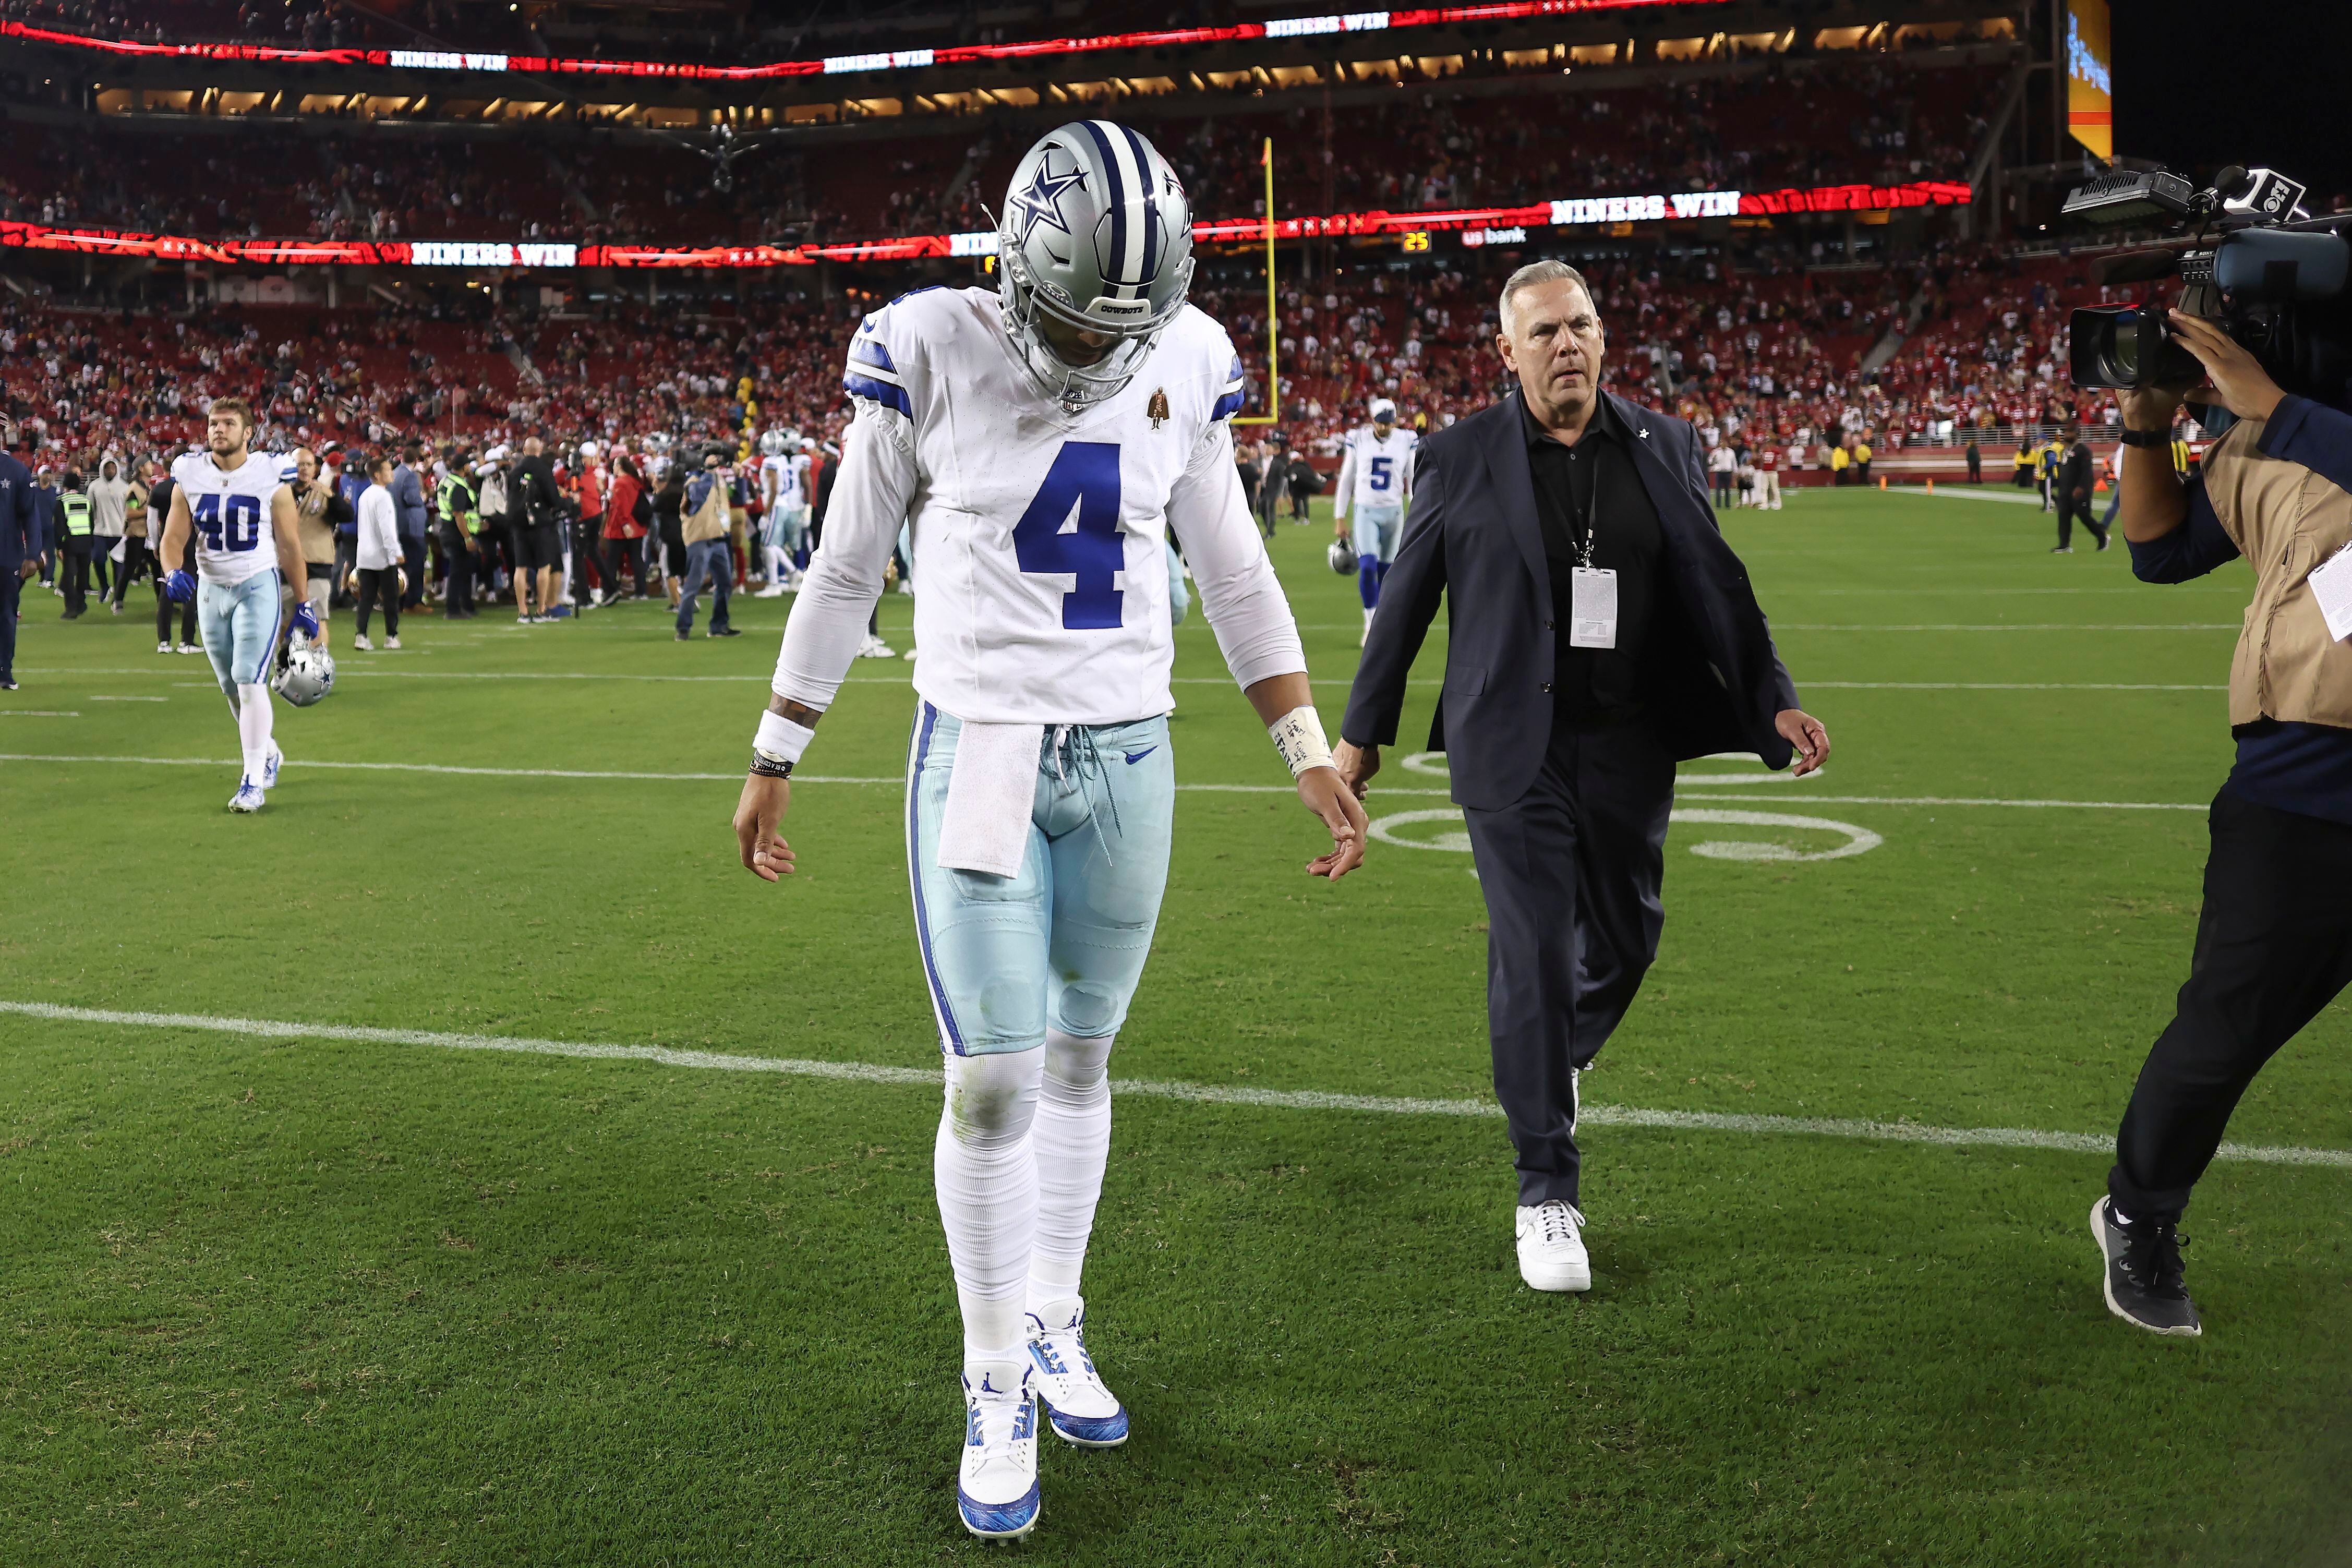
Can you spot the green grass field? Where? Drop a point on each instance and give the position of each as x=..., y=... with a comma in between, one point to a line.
x=298, y=1299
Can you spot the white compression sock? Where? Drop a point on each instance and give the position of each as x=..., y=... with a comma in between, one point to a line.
x=987, y=1179
x=1072, y=1142
x=253, y=730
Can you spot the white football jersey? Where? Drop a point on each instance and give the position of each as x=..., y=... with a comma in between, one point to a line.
x=235, y=538
x=786, y=480
x=1039, y=535
x=1378, y=472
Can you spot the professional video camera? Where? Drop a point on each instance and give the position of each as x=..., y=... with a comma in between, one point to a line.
x=2272, y=276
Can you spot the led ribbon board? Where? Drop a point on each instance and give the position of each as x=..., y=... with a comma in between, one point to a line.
x=843, y=64
x=549, y=254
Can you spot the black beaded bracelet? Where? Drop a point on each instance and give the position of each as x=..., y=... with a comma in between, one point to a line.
x=771, y=767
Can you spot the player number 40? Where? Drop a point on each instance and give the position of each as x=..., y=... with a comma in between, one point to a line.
x=228, y=522
x=1084, y=480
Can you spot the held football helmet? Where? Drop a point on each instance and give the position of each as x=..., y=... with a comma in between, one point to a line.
x=1342, y=556
x=1097, y=235
x=308, y=676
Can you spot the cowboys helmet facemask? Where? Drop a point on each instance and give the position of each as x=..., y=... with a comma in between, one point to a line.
x=772, y=443
x=1096, y=235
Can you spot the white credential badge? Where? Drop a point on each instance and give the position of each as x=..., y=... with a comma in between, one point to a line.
x=1593, y=607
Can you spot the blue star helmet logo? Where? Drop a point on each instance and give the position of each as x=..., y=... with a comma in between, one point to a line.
x=1042, y=201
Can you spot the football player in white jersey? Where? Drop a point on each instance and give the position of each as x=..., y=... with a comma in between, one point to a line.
x=1041, y=442
x=1376, y=479
x=783, y=495
x=239, y=506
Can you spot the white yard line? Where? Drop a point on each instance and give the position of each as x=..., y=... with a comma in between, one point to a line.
x=39, y=713
x=1197, y=1093
x=297, y=765
x=2014, y=627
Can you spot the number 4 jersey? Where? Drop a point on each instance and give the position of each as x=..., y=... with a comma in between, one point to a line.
x=230, y=509
x=1038, y=534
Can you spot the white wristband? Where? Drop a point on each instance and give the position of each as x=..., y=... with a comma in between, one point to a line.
x=1298, y=736
x=780, y=739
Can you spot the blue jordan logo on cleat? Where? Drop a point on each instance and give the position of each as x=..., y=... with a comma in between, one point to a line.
x=1135, y=757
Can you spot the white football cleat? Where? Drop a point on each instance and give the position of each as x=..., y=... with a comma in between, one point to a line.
x=269, y=768
x=1082, y=1411
x=996, y=1484
x=875, y=647
x=1551, y=1250
x=249, y=797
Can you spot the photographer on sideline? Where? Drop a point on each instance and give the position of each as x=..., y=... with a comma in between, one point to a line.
x=2275, y=937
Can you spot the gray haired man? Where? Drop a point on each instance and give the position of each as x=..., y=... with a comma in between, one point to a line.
x=1601, y=631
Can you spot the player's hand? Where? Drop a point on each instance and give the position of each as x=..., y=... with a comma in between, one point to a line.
x=2239, y=384
x=180, y=586
x=306, y=620
x=29, y=569
x=763, y=804
x=1328, y=797
x=1804, y=731
x=1357, y=765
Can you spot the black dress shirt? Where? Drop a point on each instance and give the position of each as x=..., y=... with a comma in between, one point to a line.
x=1594, y=512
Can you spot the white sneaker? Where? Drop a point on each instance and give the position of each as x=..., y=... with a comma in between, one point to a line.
x=875, y=647
x=996, y=1484
x=269, y=769
x=392, y=645
x=249, y=797
x=1081, y=1410
x=361, y=644
x=772, y=591
x=189, y=647
x=1552, y=1252
x=163, y=647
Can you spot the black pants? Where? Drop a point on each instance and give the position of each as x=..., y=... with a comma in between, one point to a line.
x=2273, y=947
x=163, y=605
x=412, y=550
x=2069, y=511
x=617, y=553
x=134, y=565
x=12, y=581
x=584, y=544
x=73, y=572
x=458, y=563
x=1571, y=872
x=379, y=583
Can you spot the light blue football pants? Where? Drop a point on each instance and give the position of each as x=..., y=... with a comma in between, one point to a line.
x=1063, y=944
x=1375, y=530
x=238, y=623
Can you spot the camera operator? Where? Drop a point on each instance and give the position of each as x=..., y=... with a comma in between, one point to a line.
x=2275, y=937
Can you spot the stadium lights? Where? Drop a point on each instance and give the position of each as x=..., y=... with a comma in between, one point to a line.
x=1414, y=227
x=840, y=65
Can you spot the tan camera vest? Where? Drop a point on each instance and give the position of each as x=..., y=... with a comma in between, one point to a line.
x=2285, y=520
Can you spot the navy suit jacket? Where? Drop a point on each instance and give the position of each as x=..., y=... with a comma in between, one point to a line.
x=1715, y=682
x=20, y=518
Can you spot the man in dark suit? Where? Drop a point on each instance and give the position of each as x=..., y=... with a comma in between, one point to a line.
x=2077, y=472
x=1600, y=630
x=20, y=546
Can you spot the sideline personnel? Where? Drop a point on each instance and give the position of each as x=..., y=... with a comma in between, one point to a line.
x=2274, y=936
x=1601, y=631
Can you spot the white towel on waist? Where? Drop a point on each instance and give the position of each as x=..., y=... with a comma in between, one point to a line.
x=992, y=793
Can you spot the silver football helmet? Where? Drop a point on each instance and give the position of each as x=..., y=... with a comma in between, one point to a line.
x=1342, y=557
x=1097, y=235
x=772, y=443
x=309, y=675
